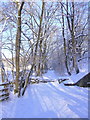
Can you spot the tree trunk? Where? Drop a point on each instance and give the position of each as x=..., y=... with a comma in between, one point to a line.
x=35, y=55
x=1, y=62
x=70, y=21
x=41, y=40
x=64, y=40
x=73, y=42
x=17, y=46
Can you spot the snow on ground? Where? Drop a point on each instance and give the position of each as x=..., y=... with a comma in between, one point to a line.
x=48, y=100
x=50, y=75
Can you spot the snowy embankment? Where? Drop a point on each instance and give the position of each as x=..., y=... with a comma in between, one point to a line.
x=48, y=100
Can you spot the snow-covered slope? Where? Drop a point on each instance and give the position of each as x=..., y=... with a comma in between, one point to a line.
x=48, y=100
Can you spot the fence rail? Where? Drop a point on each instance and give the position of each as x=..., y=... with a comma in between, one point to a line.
x=4, y=91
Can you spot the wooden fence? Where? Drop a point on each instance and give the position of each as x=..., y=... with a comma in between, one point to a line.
x=4, y=91
x=5, y=88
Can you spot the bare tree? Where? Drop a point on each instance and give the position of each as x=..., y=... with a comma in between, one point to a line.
x=18, y=41
x=65, y=47
x=2, y=69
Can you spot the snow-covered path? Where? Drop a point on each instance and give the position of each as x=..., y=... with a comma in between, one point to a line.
x=50, y=100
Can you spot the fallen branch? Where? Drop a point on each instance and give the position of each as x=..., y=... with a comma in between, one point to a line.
x=62, y=80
